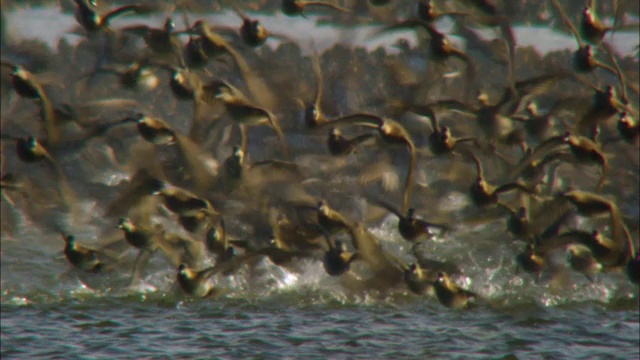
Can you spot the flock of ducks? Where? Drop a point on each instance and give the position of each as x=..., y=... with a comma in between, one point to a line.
x=202, y=179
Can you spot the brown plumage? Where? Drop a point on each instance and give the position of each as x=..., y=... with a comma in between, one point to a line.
x=392, y=133
x=242, y=111
x=629, y=129
x=418, y=280
x=487, y=13
x=159, y=132
x=81, y=257
x=252, y=32
x=27, y=85
x=451, y=294
x=583, y=58
x=590, y=204
x=410, y=227
x=297, y=7
x=214, y=45
x=196, y=283
x=337, y=260
x=138, y=75
x=440, y=141
x=331, y=220
x=160, y=41
x=484, y=194
x=441, y=47
x=540, y=222
x=531, y=260
x=633, y=268
x=583, y=150
x=31, y=150
x=313, y=115
x=591, y=28
x=609, y=252
x=494, y=119
x=339, y=145
x=605, y=103
x=183, y=202
x=427, y=11
x=91, y=21
x=580, y=259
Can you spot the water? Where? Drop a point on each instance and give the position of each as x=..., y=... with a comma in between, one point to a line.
x=544, y=39
x=281, y=327
x=49, y=311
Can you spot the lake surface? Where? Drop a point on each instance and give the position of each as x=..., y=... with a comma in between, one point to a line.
x=48, y=311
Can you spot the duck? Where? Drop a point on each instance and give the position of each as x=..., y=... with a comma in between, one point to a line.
x=450, y=294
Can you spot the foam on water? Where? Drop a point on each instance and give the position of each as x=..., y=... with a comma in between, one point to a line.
x=490, y=274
